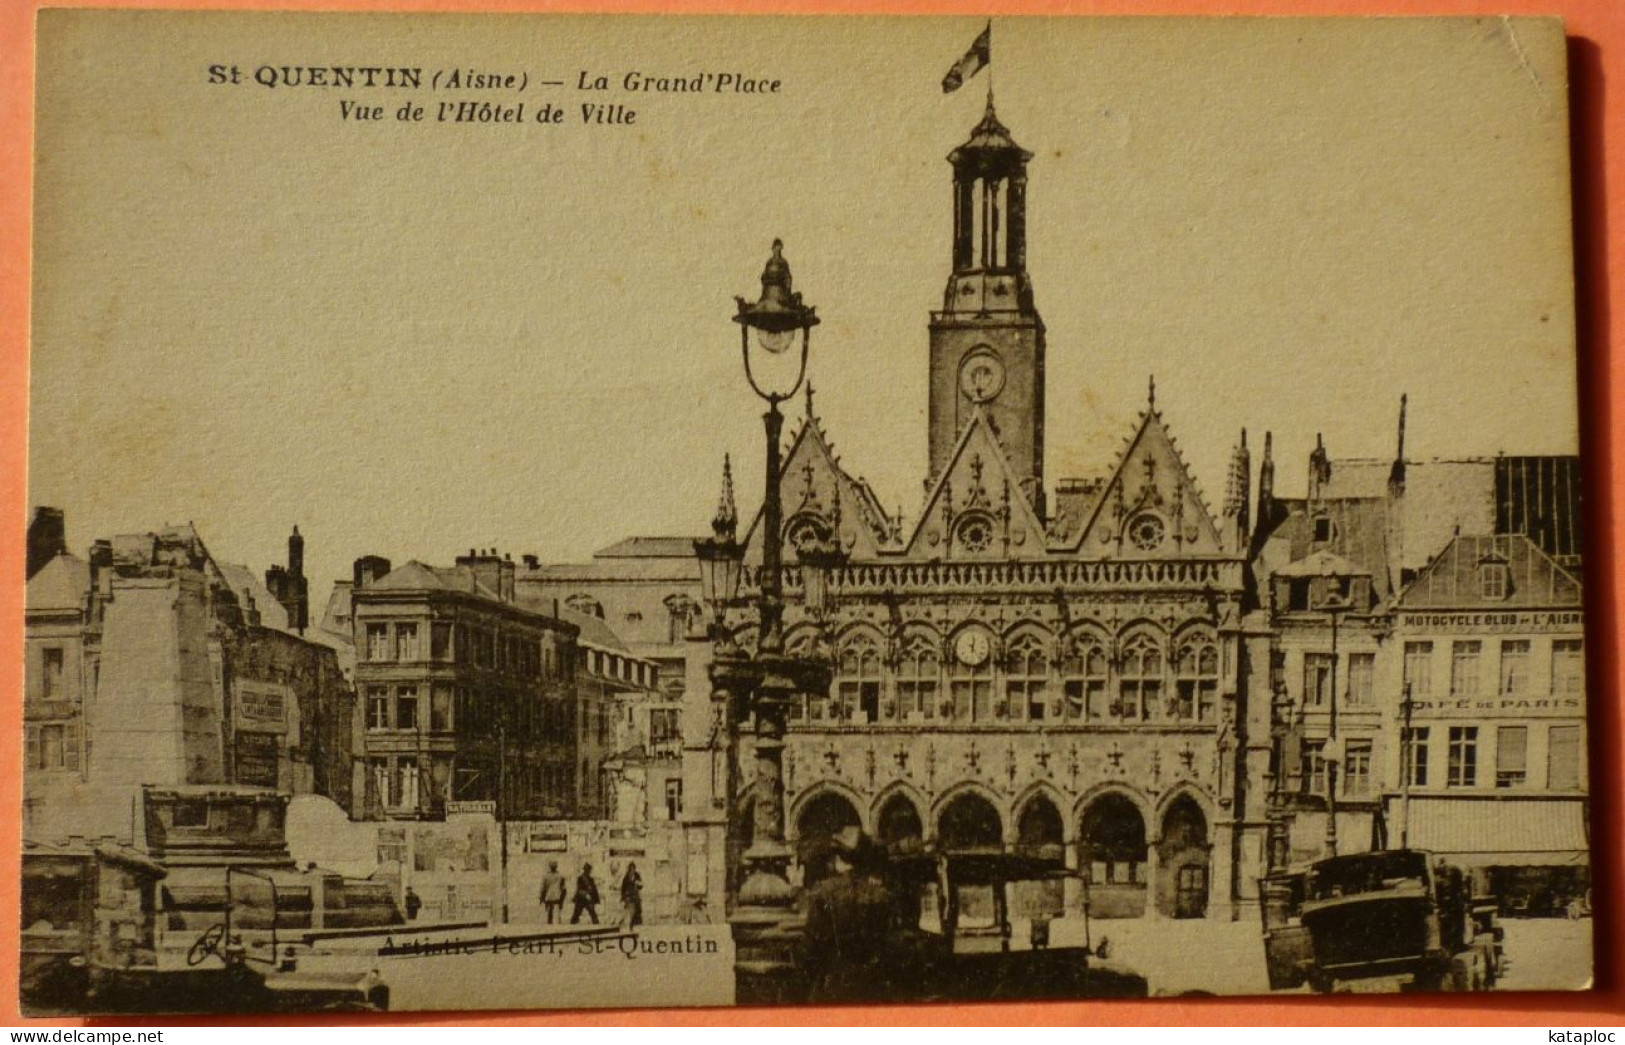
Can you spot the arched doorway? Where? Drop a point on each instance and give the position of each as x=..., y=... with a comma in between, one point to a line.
x=817, y=822
x=969, y=822
x=1039, y=833
x=1183, y=860
x=1113, y=851
x=898, y=826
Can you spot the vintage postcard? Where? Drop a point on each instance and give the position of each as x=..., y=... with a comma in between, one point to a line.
x=540, y=511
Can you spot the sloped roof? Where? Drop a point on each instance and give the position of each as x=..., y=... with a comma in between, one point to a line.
x=416, y=576
x=649, y=548
x=61, y=584
x=1452, y=580
x=595, y=631
x=1322, y=564
x=245, y=585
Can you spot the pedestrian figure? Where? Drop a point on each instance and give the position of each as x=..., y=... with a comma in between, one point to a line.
x=586, y=897
x=849, y=919
x=632, y=896
x=553, y=889
x=414, y=904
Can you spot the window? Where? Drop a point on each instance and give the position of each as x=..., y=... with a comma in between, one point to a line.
x=1197, y=668
x=1314, y=767
x=377, y=708
x=664, y=727
x=1139, y=689
x=406, y=707
x=1085, y=679
x=1361, y=668
x=1419, y=667
x=52, y=746
x=192, y=812
x=1323, y=528
x=970, y=687
x=53, y=674
x=1297, y=594
x=1493, y=579
x=918, y=676
x=1357, y=769
x=1464, y=668
x=378, y=642
x=1563, y=758
x=1568, y=667
x=1317, y=679
x=1026, y=679
x=404, y=790
x=1514, y=666
x=440, y=709
x=1462, y=768
x=406, y=642
x=674, y=799
x=440, y=640
x=1511, y=756
x=1414, y=756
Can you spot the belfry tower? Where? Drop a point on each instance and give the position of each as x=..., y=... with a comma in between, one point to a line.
x=987, y=343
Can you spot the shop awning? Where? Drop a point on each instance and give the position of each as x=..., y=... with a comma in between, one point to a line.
x=1498, y=832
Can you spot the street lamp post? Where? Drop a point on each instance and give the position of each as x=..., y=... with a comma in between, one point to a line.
x=1334, y=607
x=760, y=686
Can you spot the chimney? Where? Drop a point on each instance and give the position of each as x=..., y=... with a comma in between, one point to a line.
x=47, y=538
x=489, y=569
x=1320, y=469
x=532, y=562
x=368, y=568
x=1396, y=474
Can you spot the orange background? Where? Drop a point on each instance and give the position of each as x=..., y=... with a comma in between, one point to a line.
x=1596, y=31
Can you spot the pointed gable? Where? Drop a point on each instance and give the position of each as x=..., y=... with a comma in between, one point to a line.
x=816, y=493
x=976, y=509
x=1150, y=508
x=61, y=585
x=1505, y=572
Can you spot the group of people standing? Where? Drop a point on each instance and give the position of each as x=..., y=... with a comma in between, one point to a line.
x=585, y=899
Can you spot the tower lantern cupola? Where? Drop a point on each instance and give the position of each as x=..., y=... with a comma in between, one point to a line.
x=990, y=216
x=987, y=343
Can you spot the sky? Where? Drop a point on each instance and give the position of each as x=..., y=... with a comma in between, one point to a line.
x=416, y=338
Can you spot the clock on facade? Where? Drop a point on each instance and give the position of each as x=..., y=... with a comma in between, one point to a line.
x=1146, y=531
x=982, y=376
x=972, y=648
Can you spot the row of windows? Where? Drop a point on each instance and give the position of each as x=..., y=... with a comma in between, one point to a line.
x=1462, y=764
x=1319, y=670
x=1354, y=777
x=1516, y=664
x=399, y=781
x=472, y=711
x=466, y=644
x=1026, y=685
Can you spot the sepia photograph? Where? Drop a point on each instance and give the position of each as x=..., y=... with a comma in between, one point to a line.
x=587, y=511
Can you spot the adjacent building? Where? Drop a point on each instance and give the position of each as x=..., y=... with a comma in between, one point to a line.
x=150, y=663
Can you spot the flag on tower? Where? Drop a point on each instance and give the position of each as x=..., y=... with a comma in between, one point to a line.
x=980, y=53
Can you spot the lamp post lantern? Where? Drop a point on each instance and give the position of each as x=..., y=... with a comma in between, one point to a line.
x=759, y=686
x=1334, y=607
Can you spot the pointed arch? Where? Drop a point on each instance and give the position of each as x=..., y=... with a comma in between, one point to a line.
x=1040, y=827
x=917, y=664
x=971, y=819
x=1084, y=666
x=860, y=659
x=1184, y=856
x=1113, y=853
x=1028, y=661
x=899, y=823
x=1195, y=661
x=826, y=796
x=970, y=685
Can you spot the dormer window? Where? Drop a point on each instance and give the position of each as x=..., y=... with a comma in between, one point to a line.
x=1494, y=579
x=1323, y=528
